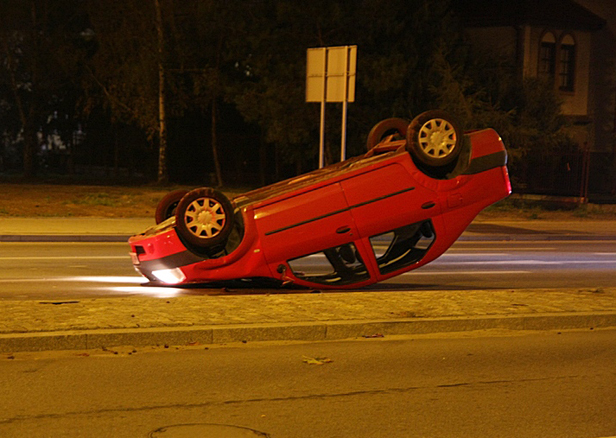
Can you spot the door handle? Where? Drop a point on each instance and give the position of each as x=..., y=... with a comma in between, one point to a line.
x=343, y=229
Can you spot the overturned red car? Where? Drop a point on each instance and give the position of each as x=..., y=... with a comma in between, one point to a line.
x=364, y=220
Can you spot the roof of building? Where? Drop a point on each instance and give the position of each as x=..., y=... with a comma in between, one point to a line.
x=564, y=14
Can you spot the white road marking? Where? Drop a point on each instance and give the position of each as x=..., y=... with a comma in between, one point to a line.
x=534, y=262
x=66, y=258
x=25, y=280
x=529, y=249
x=424, y=272
x=91, y=279
x=477, y=254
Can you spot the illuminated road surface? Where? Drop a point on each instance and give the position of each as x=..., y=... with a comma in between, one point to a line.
x=77, y=270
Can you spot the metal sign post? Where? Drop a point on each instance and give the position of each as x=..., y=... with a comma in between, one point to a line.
x=330, y=77
x=344, y=106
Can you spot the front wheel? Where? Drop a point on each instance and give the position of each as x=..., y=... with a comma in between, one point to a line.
x=434, y=138
x=204, y=217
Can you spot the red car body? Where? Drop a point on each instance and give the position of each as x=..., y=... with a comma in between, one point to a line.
x=347, y=225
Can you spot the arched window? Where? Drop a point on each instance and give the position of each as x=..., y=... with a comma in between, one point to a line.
x=566, y=67
x=547, y=56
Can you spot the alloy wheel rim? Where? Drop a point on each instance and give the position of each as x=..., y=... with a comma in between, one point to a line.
x=437, y=138
x=205, y=218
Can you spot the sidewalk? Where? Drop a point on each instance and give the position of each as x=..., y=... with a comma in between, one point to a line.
x=190, y=320
x=248, y=315
x=70, y=229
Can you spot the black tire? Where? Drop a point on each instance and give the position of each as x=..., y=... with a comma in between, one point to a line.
x=167, y=205
x=434, y=138
x=384, y=128
x=204, y=218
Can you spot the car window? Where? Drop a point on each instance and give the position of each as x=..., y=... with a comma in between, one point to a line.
x=403, y=246
x=339, y=266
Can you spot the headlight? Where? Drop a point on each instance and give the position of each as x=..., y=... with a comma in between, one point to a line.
x=170, y=276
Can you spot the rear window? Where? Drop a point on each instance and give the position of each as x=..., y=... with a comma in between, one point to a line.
x=403, y=246
x=338, y=266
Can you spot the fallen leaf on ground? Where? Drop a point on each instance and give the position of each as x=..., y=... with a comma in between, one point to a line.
x=316, y=360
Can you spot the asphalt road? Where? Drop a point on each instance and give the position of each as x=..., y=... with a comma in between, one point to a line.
x=531, y=385
x=519, y=265
x=80, y=270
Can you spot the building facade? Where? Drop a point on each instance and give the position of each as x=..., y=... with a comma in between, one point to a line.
x=572, y=46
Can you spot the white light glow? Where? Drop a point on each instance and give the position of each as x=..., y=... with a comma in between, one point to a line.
x=157, y=292
x=170, y=276
x=109, y=279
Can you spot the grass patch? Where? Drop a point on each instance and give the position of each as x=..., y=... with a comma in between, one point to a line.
x=97, y=199
x=23, y=200
x=518, y=207
x=595, y=211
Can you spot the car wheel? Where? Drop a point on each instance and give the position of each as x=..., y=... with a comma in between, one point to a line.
x=167, y=205
x=385, y=128
x=434, y=138
x=204, y=217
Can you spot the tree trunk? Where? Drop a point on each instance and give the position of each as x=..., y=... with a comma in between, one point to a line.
x=215, y=146
x=25, y=112
x=262, y=162
x=29, y=153
x=163, y=175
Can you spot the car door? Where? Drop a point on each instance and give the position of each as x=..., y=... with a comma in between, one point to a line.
x=387, y=198
x=308, y=238
x=394, y=216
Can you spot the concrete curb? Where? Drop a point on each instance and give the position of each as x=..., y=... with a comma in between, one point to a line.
x=63, y=238
x=319, y=331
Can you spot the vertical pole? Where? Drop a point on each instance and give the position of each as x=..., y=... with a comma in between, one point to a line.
x=345, y=99
x=322, y=137
x=344, y=135
x=322, y=131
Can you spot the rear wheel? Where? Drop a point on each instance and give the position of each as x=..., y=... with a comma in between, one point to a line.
x=167, y=205
x=393, y=126
x=204, y=217
x=434, y=138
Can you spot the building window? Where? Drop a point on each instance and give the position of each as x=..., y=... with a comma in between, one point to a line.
x=547, y=56
x=566, y=64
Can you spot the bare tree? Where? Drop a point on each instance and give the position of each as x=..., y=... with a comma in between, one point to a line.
x=30, y=41
x=128, y=69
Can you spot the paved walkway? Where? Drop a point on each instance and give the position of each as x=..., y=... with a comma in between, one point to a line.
x=77, y=229
x=246, y=316
x=139, y=321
